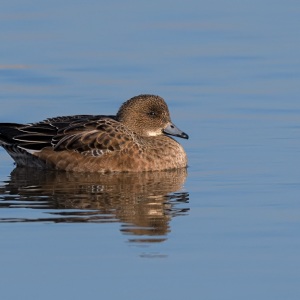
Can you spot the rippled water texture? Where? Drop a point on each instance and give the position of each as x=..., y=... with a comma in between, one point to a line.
x=228, y=227
x=144, y=203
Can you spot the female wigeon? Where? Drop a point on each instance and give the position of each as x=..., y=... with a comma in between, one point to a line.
x=136, y=139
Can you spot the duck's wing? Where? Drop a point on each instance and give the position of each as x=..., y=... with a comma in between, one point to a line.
x=94, y=138
x=29, y=136
x=54, y=132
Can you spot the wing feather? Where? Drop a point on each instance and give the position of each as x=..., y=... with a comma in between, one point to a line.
x=94, y=138
x=88, y=135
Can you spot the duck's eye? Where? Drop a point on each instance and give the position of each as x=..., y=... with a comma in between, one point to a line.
x=151, y=113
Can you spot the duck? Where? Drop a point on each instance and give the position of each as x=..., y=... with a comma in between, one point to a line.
x=137, y=139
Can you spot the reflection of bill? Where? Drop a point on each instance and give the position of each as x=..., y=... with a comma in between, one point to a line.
x=143, y=202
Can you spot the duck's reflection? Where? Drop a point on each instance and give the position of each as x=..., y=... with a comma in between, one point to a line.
x=144, y=203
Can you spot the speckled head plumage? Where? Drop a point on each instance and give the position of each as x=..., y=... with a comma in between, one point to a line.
x=146, y=115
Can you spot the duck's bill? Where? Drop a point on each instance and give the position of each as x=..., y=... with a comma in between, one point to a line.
x=171, y=129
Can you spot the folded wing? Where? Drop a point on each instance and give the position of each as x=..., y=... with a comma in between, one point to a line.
x=88, y=135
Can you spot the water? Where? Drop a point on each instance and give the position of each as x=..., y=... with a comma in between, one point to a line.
x=226, y=229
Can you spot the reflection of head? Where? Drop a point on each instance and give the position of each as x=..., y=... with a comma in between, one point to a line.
x=143, y=202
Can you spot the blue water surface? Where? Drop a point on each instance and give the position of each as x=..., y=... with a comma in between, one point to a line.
x=227, y=229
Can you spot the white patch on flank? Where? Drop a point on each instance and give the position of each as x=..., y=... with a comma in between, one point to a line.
x=29, y=150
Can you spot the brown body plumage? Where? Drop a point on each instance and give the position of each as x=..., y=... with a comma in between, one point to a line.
x=133, y=140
